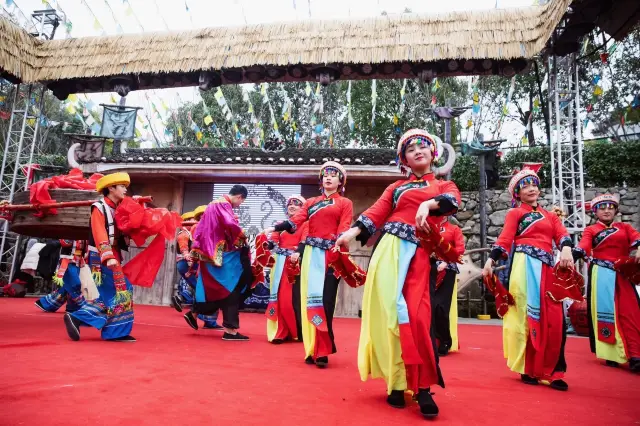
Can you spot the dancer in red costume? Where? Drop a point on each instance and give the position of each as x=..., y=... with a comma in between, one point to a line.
x=396, y=338
x=445, y=301
x=329, y=215
x=613, y=302
x=283, y=311
x=534, y=328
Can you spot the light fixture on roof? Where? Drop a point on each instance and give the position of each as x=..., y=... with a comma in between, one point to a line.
x=325, y=75
x=427, y=75
x=453, y=65
x=468, y=65
x=208, y=80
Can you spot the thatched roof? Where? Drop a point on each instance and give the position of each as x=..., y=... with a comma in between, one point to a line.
x=410, y=39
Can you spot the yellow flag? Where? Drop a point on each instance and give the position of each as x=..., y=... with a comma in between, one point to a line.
x=180, y=131
x=250, y=110
x=476, y=98
x=597, y=91
x=395, y=119
x=469, y=123
x=96, y=25
x=199, y=136
x=137, y=132
x=129, y=11
x=208, y=120
x=275, y=125
x=71, y=109
x=318, y=89
x=73, y=98
x=218, y=95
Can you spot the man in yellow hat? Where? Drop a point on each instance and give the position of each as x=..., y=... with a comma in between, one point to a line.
x=187, y=268
x=112, y=312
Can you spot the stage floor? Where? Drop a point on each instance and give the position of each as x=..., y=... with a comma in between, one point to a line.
x=174, y=375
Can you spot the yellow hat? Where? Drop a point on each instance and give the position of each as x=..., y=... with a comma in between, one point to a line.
x=188, y=215
x=199, y=211
x=113, y=179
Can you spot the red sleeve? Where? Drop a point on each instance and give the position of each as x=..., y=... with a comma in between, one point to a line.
x=346, y=216
x=183, y=242
x=560, y=233
x=634, y=236
x=305, y=231
x=508, y=234
x=449, y=199
x=275, y=237
x=376, y=215
x=100, y=236
x=458, y=241
x=585, y=246
x=66, y=243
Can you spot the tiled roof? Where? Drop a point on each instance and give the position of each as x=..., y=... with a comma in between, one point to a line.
x=290, y=156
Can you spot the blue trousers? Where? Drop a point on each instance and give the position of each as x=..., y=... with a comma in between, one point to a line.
x=187, y=290
x=70, y=292
x=112, y=317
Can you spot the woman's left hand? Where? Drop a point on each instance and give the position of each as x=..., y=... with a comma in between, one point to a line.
x=422, y=215
x=566, y=257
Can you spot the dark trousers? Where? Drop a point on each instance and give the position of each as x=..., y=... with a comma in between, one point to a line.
x=441, y=306
x=230, y=305
x=297, y=307
x=329, y=297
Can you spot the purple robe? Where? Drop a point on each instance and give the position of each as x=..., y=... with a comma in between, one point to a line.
x=217, y=232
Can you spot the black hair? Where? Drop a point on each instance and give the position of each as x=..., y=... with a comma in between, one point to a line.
x=105, y=191
x=239, y=190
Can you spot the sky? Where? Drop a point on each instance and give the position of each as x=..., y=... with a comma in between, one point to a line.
x=110, y=17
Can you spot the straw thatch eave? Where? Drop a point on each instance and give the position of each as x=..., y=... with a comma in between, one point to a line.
x=382, y=47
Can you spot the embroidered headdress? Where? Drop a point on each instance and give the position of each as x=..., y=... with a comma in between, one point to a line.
x=437, y=147
x=604, y=200
x=298, y=198
x=332, y=166
x=527, y=176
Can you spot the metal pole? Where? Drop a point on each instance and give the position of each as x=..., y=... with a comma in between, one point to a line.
x=483, y=214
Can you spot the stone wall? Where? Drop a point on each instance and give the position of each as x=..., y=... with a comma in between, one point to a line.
x=499, y=202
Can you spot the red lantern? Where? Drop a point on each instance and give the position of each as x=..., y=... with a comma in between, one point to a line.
x=579, y=318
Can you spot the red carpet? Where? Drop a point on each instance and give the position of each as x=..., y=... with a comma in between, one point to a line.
x=174, y=375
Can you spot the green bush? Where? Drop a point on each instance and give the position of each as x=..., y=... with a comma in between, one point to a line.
x=612, y=164
x=605, y=165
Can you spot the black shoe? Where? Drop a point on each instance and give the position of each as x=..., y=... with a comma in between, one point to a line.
x=193, y=323
x=277, y=342
x=560, y=385
x=212, y=327
x=611, y=364
x=528, y=379
x=428, y=406
x=128, y=339
x=322, y=362
x=235, y=337
x=396, y=399
x=443, y=350
x=39, y=305
x=309, y=360
x=177, y=303
x=634, y=365
x=73, y=327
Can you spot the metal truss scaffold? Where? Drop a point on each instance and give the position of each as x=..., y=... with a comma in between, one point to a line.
x=567, y=169
x=21, y=143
